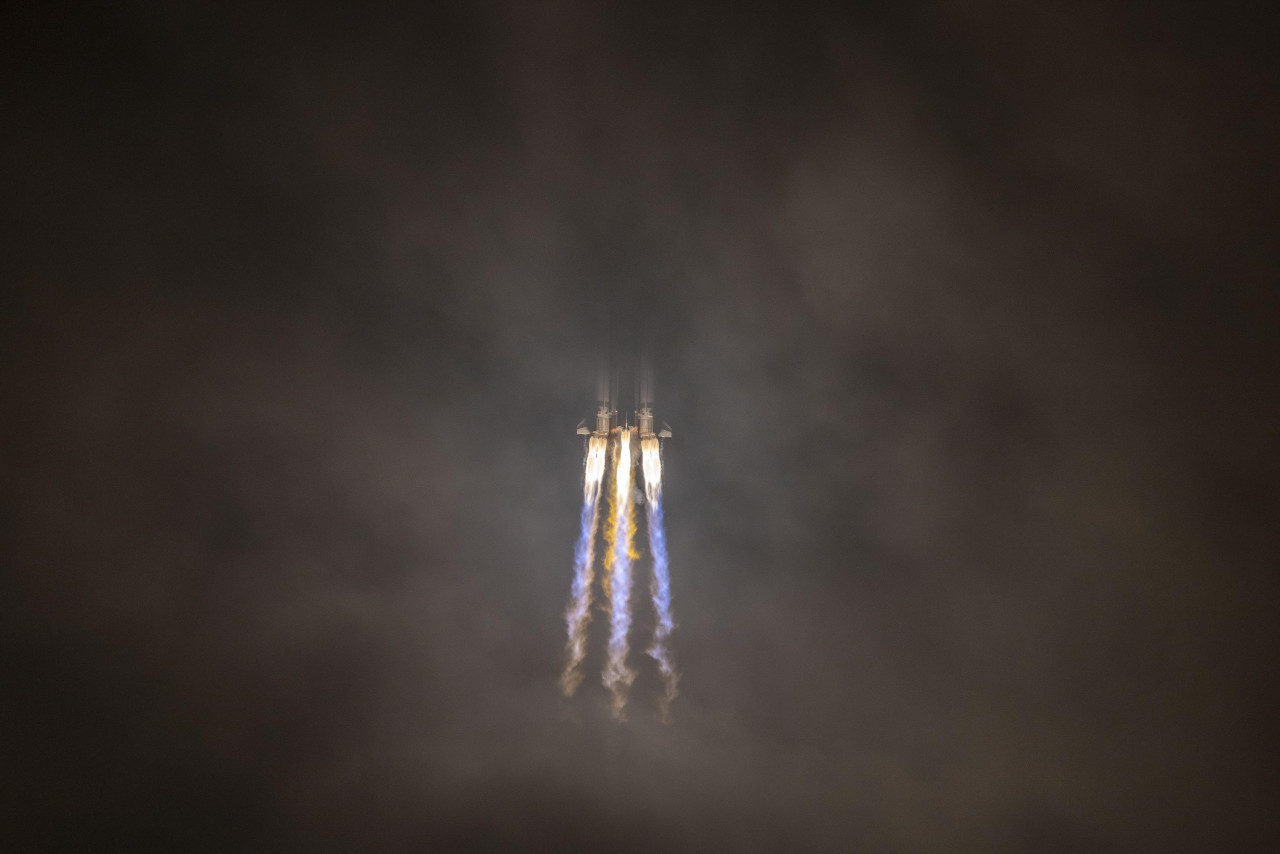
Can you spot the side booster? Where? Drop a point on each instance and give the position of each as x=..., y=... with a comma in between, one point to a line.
x=644, y=425
x=606, y=421
x=644, y=406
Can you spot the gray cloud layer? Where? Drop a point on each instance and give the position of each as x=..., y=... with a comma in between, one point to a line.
x=963, y=323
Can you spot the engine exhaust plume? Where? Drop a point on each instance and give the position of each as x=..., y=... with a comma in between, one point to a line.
x=660, y=584
x=627, y=443
x=617, y=676
x=578, y=614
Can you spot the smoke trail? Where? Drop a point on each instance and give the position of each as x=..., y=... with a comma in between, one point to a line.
x=660, y=585
x=617, y=676
x=578, y=614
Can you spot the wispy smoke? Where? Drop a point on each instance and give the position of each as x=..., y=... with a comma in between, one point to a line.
x=619, y=557
x=578, y=615
x=660, y=583
x=617, y=676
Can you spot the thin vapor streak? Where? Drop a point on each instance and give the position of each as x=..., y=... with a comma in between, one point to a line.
x=578, y=614
x=660, y=583
x=617, y=676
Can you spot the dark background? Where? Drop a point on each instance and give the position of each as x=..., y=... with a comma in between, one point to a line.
x=965, y=318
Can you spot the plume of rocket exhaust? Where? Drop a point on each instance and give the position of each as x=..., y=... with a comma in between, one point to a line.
x=578, y=614
x=610, y=536
x=660, y=584
x=617, y=676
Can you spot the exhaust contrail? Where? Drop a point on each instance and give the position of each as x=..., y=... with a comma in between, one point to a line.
x=617, y=676
x=578, y=614
x=620, y=441
x=660, y=584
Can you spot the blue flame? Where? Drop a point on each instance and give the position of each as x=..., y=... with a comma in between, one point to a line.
x=582, y=560
x=578, y=614
x=660, y=588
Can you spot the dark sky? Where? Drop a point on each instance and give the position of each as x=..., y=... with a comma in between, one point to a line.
x=965, y=319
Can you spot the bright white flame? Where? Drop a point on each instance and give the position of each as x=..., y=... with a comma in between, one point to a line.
x=596, y=453
x=651, y=461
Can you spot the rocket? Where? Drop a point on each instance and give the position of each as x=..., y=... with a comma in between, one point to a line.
x=622, y=442
x=640, y=423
